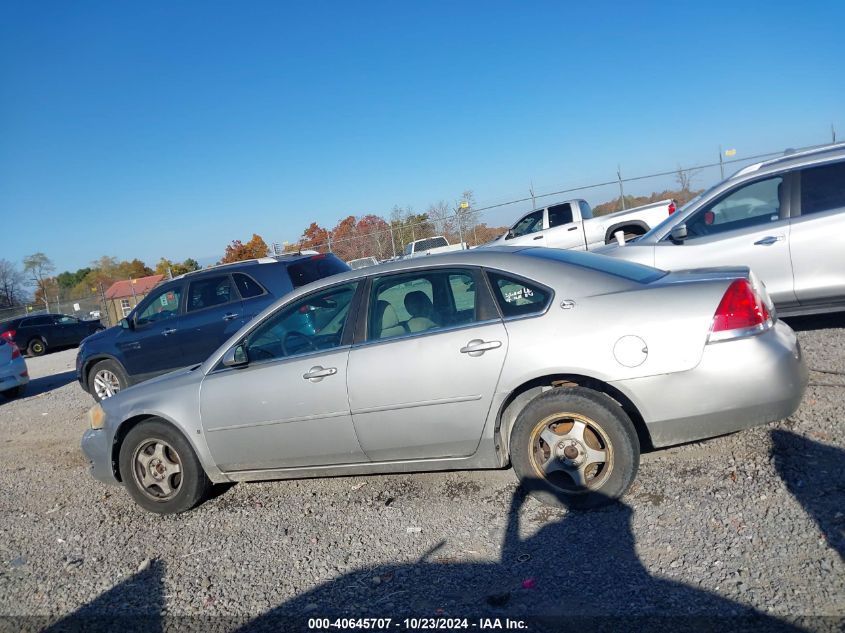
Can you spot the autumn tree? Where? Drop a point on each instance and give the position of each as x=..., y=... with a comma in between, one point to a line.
x=314, y=237
x=374, y=237
x=165, y=267
x=38, y=267
x=344, y=238
x=238, y=251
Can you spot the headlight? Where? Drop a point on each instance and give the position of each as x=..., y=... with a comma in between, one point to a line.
x=96, y=416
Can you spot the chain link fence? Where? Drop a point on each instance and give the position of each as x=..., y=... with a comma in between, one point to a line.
x=474, y=224
x=90, y=307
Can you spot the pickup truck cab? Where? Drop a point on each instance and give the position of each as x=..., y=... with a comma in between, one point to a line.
x=430, y=246
x=571, y=225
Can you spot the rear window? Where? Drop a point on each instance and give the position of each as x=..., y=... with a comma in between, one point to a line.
x=609, y=265
x=429, y=243
x=247, y=286
x=305, y=271
x=518, y=297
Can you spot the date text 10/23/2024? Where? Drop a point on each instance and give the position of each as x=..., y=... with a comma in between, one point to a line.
x=416, y=624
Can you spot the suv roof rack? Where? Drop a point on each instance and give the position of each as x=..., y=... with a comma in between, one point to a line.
x=790, y=154
x=268, y=259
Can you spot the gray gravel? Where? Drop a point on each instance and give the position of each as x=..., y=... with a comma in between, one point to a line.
x=748, y=523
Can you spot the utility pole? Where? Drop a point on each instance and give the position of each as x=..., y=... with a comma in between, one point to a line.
x=832, y=133
x=392, y=241
x=621, y=190
x=721, y=164
x=329, y=238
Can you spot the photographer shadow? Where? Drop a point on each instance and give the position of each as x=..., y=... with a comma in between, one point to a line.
x=579, y=571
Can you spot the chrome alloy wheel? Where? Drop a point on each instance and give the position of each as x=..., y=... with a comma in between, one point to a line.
x=571, y=452
x=157, y=469
x=106, y=384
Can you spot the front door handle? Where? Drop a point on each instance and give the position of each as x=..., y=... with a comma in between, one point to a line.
x=317, y=373
x=477, y=347
x=572, y=228
x=539, y=237
x=229, y=316
x=769, y=240
x=168, y=331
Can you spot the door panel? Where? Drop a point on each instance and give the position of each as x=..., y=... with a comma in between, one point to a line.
x=818, y=236
x=268, y=416
x=214, y=313
x=422, y=397
x=151, y=347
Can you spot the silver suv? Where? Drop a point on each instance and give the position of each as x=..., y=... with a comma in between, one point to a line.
x=784, y=218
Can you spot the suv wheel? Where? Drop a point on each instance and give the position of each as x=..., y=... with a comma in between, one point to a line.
x=36, y=347
x=105, y=379
x=574, y=448
x=160, y=470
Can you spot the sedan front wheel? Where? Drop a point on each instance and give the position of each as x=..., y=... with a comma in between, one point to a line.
x=160, y=469
x=574, y=448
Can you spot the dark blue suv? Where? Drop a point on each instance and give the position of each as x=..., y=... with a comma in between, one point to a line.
x=181, y=321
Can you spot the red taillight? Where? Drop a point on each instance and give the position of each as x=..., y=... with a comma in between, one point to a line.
x=16, y=353
x=320, y=256
x=9, y=334
x=672, y=207
x=740, y=308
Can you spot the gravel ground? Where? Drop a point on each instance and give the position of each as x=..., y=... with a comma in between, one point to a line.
x=749, y=524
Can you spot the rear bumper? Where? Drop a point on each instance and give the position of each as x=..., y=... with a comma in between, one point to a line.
x=738, y=384
x=14, y=374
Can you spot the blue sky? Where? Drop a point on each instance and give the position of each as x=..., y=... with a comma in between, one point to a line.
x=170, y=128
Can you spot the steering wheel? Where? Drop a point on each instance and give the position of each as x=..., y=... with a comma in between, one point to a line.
x=293, y=343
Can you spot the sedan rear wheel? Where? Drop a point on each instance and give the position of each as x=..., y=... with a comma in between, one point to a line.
x=574, y=448
x=160, y=469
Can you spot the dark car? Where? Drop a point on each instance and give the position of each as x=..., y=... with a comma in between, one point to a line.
x=41, y=332
x=180, y=322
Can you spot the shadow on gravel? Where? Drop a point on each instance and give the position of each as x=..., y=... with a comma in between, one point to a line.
x=816, y=322
x=815, y=475
x=135, y=604
x=48, y=383
x=581, y=572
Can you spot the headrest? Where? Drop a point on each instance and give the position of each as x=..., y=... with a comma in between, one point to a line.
x=418, y=304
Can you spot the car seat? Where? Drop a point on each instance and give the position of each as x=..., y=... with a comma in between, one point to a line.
x=421, y=309
x=387, y=320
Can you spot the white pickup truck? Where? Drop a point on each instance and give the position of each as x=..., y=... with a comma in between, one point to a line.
x=431, y=245
x=571, y=225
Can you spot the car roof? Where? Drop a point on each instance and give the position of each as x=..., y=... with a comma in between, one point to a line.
x=248, y=263
x=792, y=159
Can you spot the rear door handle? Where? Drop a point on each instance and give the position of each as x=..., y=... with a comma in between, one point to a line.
x=477, y=347
x=539, y=237
x=229, y=316
x=318, y=373
x=168, y=332
x=769, y=240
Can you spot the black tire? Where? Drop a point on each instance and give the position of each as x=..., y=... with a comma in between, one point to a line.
x=189, y=484
x=14, y=392
x=607, y=430
x=100, y=371
x=36, y=347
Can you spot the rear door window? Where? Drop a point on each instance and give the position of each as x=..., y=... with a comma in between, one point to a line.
x=304, y=271
x=518, y=297
x=560, y=214
x=823, y=189
x=421, y=301
x=210, y=292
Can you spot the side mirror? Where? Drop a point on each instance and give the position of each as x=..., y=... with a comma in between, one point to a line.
x=509, y=235
x=679, y=233
x=236, y=356
x=126, y=324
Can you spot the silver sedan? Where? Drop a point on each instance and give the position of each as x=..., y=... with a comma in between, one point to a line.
x=560, y=363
